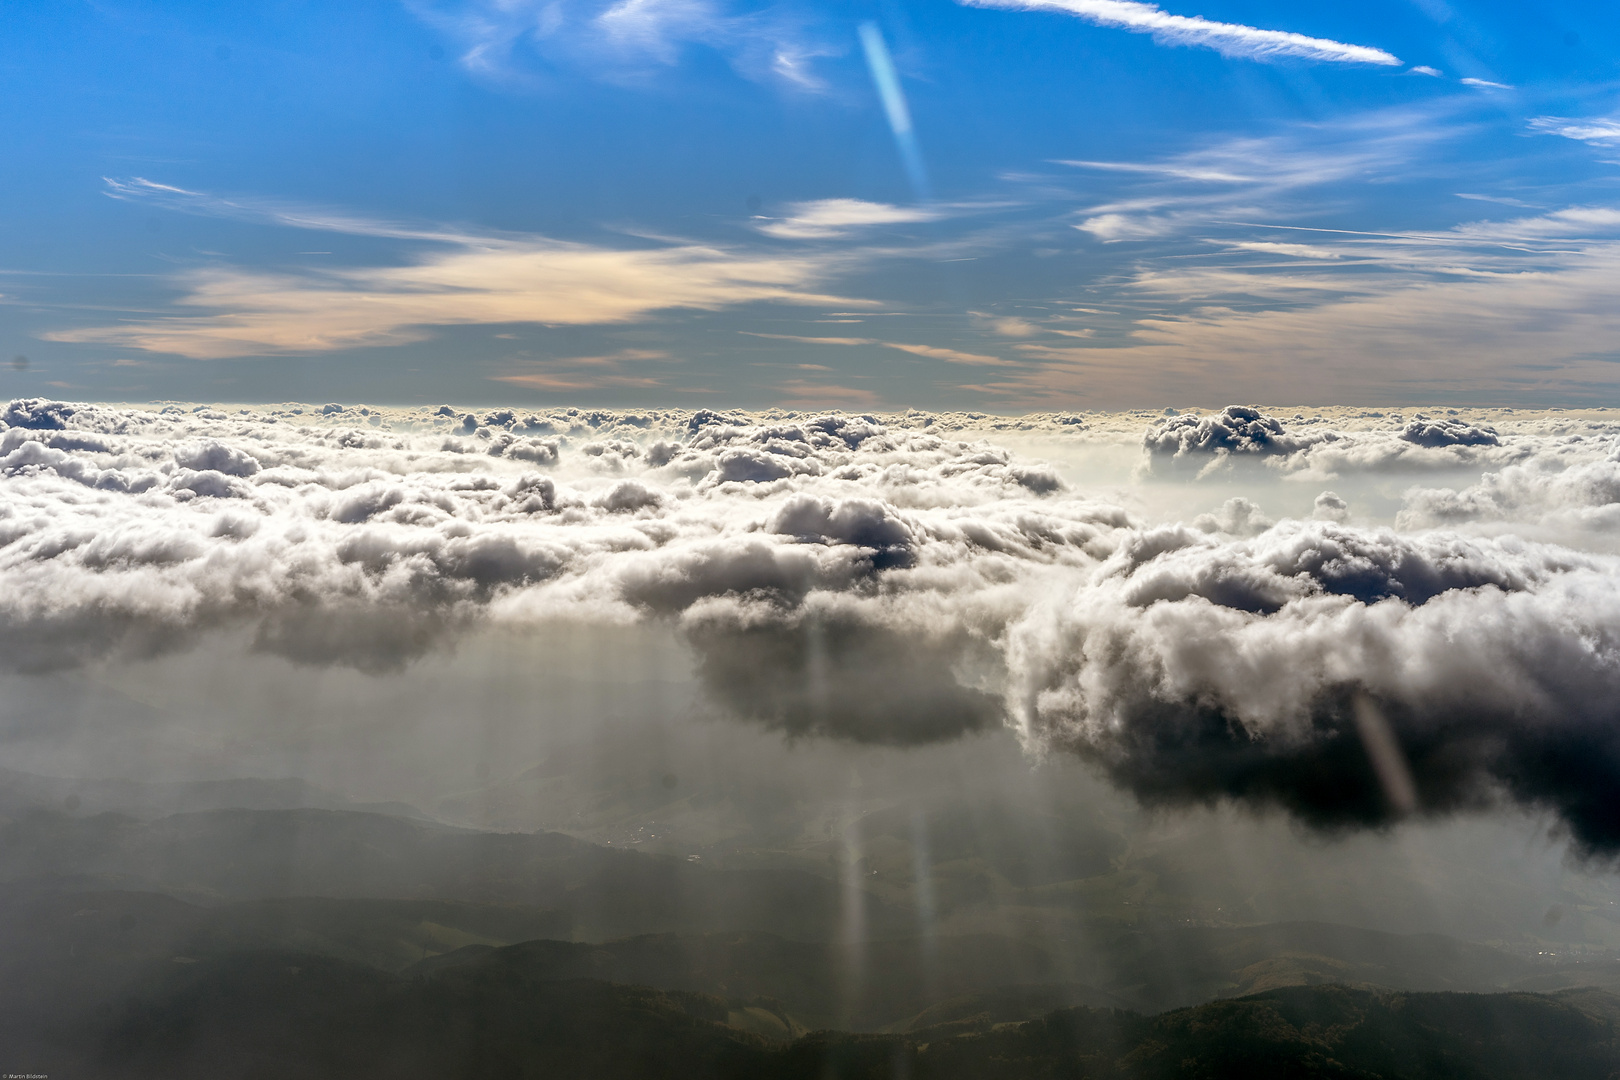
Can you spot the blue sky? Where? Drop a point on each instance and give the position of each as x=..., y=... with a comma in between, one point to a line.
x=1067, y=204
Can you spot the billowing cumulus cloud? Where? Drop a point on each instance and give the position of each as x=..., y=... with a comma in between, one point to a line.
x=126, y=532
x=1239, y=434
x=1195, y=670
x=892, y=580
x=1235, y=429
x=1584, y=497
x=1423, y=431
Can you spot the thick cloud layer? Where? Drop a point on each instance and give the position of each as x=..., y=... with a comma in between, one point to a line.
x=890, y=580
x=834, y=576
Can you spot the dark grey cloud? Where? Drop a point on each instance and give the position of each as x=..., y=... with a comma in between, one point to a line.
x=1193, y=670
x=37, y=414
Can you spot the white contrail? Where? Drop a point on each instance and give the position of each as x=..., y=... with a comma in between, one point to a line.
x=894, y=106
x=1230, y=39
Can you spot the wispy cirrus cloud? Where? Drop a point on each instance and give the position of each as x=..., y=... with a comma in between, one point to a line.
x=1170, y=170
x=261, y=211
x=464, y=279
x=1229, y=39
x=1506, y=308
x=247, y=313
x=606, y=371
x=1600, y=131
x=824, y=219
x=802, y=393
x=1296, y=251
x=932, y=352
x=1254, y=177
x=518, y=41
x=1117, y=226
x=950, y=356
x=1570, y=221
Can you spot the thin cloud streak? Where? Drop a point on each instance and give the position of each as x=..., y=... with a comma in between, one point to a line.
x=524, y=42
x=1229, y=39
x=803, y=394
x=824, y=219
x=1506, y=308
x=1173, y=171
x=586, y=372
x=1244, y=178
x=1599, y=132
x=1393, y=336
x=1297, y=251
x=933, y=352
x=539, y=380
x=267, y=212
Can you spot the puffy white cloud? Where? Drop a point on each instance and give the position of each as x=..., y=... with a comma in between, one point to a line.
x=1330, y=506
x=213, y=455
x=1544, y=492
x=1237, y=516
x=126, y=531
